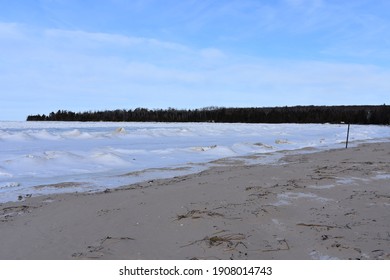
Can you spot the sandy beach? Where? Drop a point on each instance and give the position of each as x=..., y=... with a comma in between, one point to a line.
x=324, y=205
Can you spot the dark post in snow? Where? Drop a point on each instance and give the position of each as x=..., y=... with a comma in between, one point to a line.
x=346, y=143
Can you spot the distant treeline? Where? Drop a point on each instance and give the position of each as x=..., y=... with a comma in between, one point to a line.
x=296, y=114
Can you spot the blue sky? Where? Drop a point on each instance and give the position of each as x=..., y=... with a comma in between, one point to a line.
x=95, y=55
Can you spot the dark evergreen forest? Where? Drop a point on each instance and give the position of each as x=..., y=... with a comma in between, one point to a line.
x=297, y=114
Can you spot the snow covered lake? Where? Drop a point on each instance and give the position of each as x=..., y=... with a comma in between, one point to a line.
x=52, y=157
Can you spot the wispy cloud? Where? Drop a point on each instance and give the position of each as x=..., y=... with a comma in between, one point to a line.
x=195, y=54
x=54, y=73
x=102, y=39
x=10, y=31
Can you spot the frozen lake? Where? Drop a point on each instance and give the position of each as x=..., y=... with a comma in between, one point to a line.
x=51, y=157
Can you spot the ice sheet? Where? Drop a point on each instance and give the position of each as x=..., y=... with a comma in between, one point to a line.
x=76, y=156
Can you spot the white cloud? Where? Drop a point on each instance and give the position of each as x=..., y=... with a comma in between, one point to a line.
x=10, y=30
x=44, y=76
x=88, y=38
x=212, y=53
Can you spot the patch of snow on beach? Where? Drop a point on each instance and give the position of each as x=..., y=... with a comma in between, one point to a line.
x=289, y=197
x=319, y=256
x=321, y=187
x=382, y=177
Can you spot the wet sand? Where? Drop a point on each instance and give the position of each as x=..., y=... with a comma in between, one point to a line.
x=325, y=205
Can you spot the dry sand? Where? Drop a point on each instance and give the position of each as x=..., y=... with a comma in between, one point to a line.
x=326, y=205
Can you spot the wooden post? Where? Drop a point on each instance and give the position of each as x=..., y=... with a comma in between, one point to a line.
x=346, y=143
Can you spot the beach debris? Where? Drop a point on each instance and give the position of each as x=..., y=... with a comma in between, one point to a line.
x=317, y=225
x=197, y=214
x=98, y=251
x=21, y=197
x=61, y=185
x=107, y=211
x=260, y=194
x=231, y=241
x=116, y=238
x=217, y=240
x=7, y=213
x=284, y=246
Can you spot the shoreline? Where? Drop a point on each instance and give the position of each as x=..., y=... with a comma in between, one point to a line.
x=330, y=204
x=37, y=159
